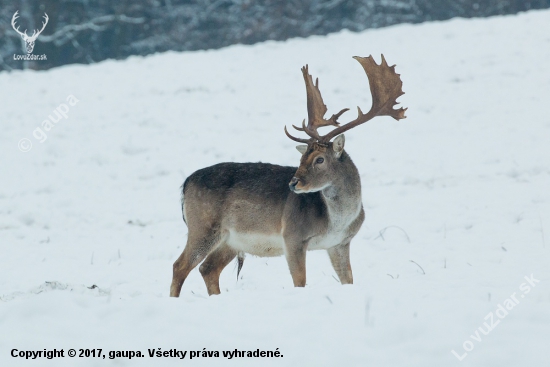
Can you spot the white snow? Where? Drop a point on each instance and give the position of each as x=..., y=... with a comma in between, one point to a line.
x=459, y=190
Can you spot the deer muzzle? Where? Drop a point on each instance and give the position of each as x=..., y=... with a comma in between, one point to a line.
x=292, y=184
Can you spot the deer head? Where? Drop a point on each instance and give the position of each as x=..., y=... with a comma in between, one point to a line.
x=29, y=40
x=321, y=157
x=319, y=166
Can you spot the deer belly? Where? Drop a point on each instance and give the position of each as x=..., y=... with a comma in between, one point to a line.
x=327, y=241
x=259, y=244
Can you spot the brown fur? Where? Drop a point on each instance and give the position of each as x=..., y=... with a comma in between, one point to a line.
x=249, y=207
x=268, y=210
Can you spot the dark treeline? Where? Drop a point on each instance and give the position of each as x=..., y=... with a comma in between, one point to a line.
x=87, y=31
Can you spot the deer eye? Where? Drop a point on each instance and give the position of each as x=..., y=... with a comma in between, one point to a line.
x=320, y=160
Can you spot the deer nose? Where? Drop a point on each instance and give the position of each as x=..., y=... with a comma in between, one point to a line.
x=293, y=183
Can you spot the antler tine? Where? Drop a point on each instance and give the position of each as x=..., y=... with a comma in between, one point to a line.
x=334, y=118
x=311, y=132
x=306, y=141
x=385, y=87
x=299, y=128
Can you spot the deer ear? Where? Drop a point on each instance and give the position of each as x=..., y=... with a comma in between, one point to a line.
x=301, y=148
x=338, y=145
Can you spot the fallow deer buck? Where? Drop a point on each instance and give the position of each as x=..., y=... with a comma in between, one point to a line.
x=269, y=210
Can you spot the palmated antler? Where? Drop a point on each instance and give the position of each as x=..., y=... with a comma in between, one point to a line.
x=316, y=110
x=385, y=86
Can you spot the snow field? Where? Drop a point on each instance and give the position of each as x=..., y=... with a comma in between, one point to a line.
x=460, y=188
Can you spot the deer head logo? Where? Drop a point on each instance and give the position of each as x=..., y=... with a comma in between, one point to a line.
x=29, y=40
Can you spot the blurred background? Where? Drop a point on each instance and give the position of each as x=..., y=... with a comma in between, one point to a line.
x=88, y=31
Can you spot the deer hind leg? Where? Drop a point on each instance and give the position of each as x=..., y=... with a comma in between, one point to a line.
x=339, y=257
x=196, y=249
x=212, y=267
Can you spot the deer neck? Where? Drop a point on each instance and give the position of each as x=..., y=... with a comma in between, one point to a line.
x=343, y=197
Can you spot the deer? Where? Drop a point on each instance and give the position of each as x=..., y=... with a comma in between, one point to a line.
x=233, y=209
x=29, y=40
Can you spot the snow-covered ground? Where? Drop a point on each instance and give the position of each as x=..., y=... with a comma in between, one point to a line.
x=457, y=201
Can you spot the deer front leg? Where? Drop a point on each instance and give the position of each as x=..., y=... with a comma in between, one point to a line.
x=295, y=253
x=339, y=257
